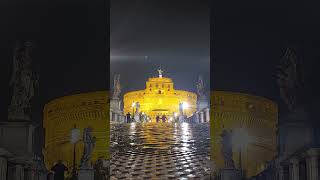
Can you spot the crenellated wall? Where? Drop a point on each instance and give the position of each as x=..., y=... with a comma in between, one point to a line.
x=83, y=110
x=257, y=115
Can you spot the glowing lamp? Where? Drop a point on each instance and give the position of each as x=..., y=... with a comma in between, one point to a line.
x=75, y=135
x=185, y=105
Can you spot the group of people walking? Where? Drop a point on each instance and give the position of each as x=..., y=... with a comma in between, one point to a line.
x=163, y=118
x=159, y=118
x=59, y=170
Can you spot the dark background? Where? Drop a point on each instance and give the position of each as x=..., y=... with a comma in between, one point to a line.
x=71, y=47
x=173, y=34
x=249, y=38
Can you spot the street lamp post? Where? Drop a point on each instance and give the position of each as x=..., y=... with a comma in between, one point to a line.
x=133, y=104
x=241, y=139
x=75, y=136
x=185, y=106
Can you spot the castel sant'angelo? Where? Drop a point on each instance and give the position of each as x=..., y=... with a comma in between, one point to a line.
x=160, y=98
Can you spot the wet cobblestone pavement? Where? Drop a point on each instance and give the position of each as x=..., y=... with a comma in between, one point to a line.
x=160, y=151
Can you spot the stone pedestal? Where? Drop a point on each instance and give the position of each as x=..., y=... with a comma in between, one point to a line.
x=294, y=133
x=16, y=172
x=3, y=168
x=202, y=103
x=86, y=174
x=230, y=174
x=136, y=117
x=115, y=110
x=115, y=105
x=17, y=138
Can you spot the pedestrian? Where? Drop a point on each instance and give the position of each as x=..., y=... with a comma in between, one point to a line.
x=128, y=117
x=158, y=118
x=164, y=118
x=50, y=176
x=59, y=170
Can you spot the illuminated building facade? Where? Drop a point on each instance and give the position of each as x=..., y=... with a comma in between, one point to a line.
x=257, y=116
x=160, y=98
x=83, y=110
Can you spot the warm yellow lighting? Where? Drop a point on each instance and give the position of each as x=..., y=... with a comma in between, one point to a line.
x=60, y=117
x=253, y=121
x=160, y=98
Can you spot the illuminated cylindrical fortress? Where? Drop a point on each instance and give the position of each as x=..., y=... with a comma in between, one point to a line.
x=160, y=98
x=80, y=110
x=257, y=116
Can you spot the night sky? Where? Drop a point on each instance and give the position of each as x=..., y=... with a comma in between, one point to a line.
x=172, y=34
x=249, y=38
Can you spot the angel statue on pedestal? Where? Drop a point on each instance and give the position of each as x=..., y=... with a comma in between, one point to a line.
x=23, y=82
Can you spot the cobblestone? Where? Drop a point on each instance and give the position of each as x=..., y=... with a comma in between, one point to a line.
x=160, y=151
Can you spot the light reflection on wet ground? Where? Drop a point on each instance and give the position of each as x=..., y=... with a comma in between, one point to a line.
x=160, y=151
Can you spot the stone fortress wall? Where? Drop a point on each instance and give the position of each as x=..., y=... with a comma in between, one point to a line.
x=83, y=110
x=257, y=115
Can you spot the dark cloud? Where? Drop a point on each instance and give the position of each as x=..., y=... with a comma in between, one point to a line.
x=172, y=34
